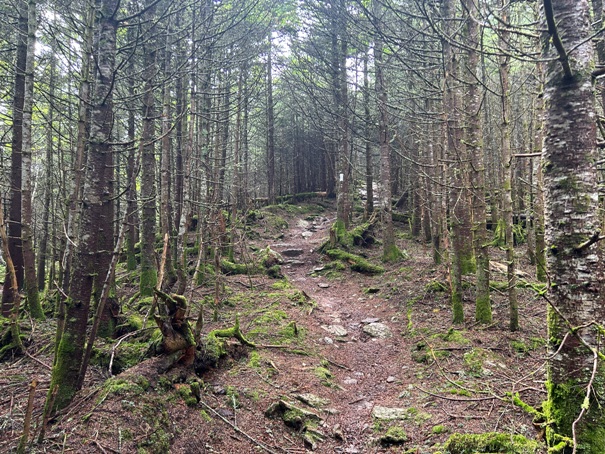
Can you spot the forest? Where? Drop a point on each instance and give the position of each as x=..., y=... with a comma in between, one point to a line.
x=341, y=226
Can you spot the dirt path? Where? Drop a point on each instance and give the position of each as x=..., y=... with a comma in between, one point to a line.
x=425, y=378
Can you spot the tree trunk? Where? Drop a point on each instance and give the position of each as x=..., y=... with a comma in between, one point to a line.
x=166, y=219
x=575, y=386
x=368, y=139
x=390, y=252
x=67, y=375
x=27, y=233
x=461, y=255
x=472, y=109
x=148, y=278
x=270, y=127
x=48, y=186
x=507, y=161
x=14, y=214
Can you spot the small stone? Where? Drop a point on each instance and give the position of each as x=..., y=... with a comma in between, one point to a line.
x=377, y=330
x=390, y=379
x=323, y=285
x=336, y=330
x=389, y=414
x=303, y=224
x=307, y=234
x=295, y=263
x=292, y=252
x=312, y=400
x=370, y=320
x=350, y=381
x=337, y=432
x=225, y=412
x=219, y=390
x=328, y=340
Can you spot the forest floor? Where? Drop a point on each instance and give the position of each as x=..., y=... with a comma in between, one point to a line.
x=335, y=381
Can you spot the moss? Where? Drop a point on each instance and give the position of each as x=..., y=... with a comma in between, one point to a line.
x=490, y=442
x=436, y=287
x=281, y=285
x=457, y=308
x=393, y=254
x=122, y=387
x=455, y=336
x=159, y=437
x=562, y=408
x=132, y=322
x=474, y=360
x=129, y=354
x=205, y=416
x=324, y=375
x=187, y=394
x=538, y=415
x=275, y=272
x=356, y=262
x=439, y=429
x=254, y=360
x=340, y=236
x=298, y=297
x=483, y=309
x=232, y=396
x=148, y=281
x=231, y=268
x=468, y=264
x=395, y=435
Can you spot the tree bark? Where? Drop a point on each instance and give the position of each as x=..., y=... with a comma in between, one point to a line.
x=27, y=233
x=577, y=275
x=67, y=375
x=507, y=160
x=14, y=214
x=474, y=148
x=148, y=278
x=390, y=252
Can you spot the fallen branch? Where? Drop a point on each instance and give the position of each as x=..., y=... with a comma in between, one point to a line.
x=237, y=429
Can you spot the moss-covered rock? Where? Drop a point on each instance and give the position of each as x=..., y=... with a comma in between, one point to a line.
x=394, y=435
x=491, y=442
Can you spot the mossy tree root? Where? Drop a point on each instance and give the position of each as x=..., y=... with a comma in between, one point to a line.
x=356, y=262
x=233, y=332
x=176, y=331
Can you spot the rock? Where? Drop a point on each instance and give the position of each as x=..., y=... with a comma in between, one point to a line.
x=311, y=437
x=391, y=379
x=219, y=390
x=303, y=224
x=370, y=320
x=295, y=263
x=378, y=330
x=388, y=413
x=394, y=436
x=328, y=340
x=225, y=412
x=292, y=252
x=336, y=330
x=350, y=381
x=323, y=285
x=312, y=400
x=306, y=234
x=338, y=433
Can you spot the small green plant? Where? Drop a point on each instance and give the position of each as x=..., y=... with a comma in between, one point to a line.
x=232, y=397
x=439, y=429
x=436, y=287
